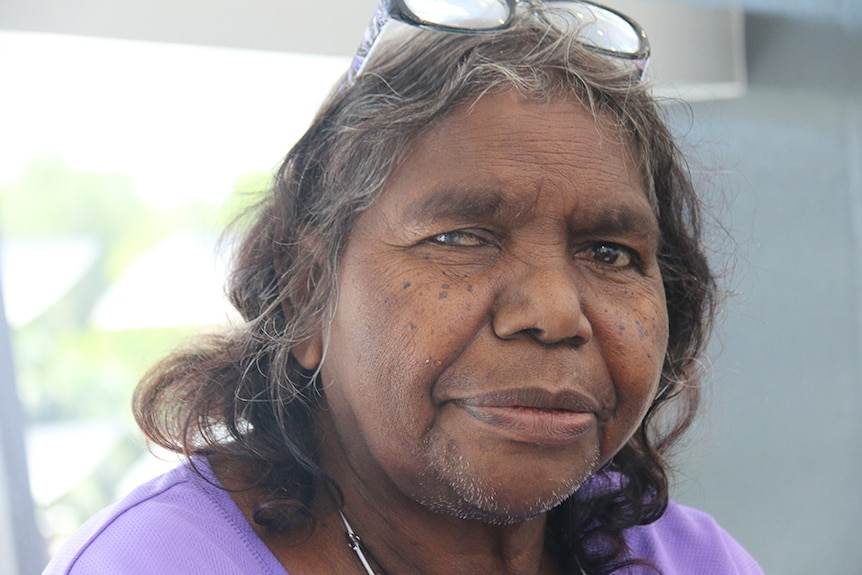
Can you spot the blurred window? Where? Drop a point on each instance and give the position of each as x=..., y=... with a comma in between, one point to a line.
x=121, y=163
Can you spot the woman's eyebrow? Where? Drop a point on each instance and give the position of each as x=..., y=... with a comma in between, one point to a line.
x=482, y=204
x=624, y=220
x=478, y=204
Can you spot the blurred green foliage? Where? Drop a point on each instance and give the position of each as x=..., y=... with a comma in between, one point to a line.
x=67, y=368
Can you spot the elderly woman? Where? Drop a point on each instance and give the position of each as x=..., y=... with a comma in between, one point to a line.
x=474, y=305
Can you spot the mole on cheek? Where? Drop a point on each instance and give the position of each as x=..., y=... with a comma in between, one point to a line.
x=443, y=294
x=405, y=285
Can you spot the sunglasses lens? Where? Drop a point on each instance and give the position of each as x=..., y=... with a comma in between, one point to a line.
x=466, y=14
x=595, y=26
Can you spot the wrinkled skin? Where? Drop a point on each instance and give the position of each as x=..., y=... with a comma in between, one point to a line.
x=500, y=323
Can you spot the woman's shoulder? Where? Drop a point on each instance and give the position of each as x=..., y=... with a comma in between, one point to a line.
x=685, y=540
x=180, y=522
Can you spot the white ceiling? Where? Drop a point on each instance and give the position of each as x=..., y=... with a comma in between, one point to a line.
x=319, y=26
x=698, y=50
x=316, y=26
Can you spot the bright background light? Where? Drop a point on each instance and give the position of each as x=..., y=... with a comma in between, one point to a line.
x=180, y=125
x=180, y=120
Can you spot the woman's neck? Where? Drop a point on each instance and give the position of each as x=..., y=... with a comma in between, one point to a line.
x=392, y=550
x=402, y=536
x=399, y=536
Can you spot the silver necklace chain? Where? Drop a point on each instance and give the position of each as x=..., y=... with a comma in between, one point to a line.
x=355, y=543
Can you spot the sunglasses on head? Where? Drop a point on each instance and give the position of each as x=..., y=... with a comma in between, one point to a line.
x=596, y=27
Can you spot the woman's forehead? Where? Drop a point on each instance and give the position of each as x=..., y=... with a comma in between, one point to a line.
x=503, y=140
x=559, y=127
x=505, y=161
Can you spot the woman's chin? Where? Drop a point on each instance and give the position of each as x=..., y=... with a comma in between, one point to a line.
x=500, y=507
x=500, y=493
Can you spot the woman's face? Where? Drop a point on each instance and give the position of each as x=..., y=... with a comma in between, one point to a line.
x=500, y=324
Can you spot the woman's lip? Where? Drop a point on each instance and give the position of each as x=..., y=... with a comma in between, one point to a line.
x=534, y=416
x=537, y=398
x=534, y=425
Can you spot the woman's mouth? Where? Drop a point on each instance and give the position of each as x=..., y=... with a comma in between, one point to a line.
x=533, y=416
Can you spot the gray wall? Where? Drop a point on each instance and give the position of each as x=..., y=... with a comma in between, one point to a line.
x=780, y=459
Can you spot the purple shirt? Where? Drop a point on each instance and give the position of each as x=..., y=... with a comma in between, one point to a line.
x=179, y=524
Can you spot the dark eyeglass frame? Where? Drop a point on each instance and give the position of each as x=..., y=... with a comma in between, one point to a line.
x=400, y=11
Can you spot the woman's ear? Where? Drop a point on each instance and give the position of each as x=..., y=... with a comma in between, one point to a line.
x=309, y=352
x=298, y=266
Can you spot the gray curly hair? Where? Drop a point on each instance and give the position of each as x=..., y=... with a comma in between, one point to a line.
x=242, y=394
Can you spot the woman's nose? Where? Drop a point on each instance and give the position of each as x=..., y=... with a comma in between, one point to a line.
x=543, y=302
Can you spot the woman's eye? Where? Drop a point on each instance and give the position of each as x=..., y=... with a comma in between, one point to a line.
x=611, y=255
x=458, y=239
